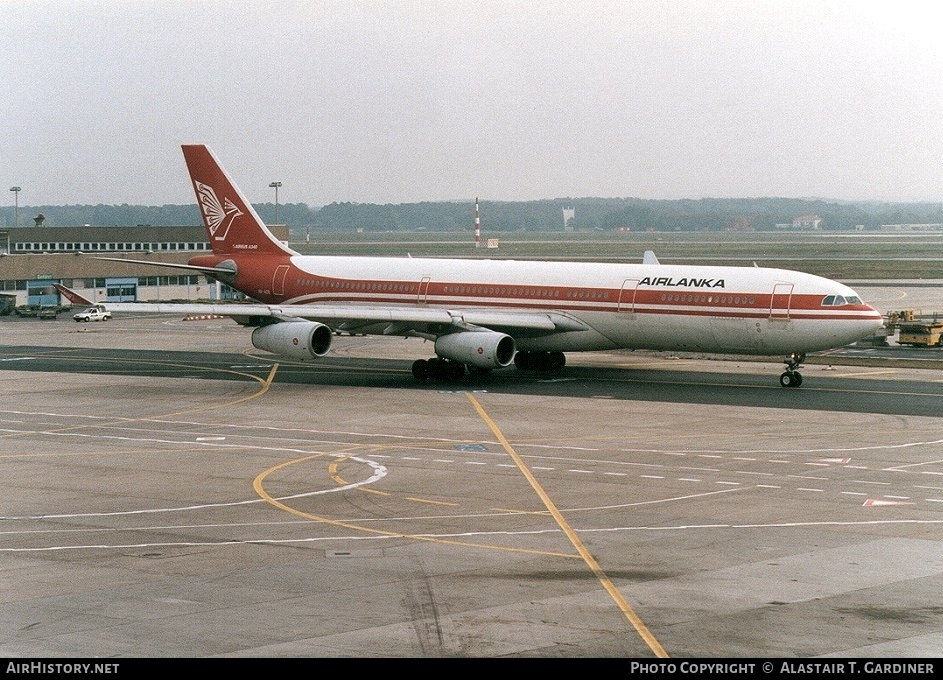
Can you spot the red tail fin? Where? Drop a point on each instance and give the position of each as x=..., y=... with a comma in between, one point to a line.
x=232, y=225
x=71, y=295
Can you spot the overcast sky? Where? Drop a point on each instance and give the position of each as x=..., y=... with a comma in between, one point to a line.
x=403, y=101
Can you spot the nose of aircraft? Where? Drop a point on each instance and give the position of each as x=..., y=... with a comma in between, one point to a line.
x=872, y=321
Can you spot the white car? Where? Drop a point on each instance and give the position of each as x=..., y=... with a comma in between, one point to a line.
x=97, y=313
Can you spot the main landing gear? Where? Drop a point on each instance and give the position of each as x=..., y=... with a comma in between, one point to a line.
x=791, y=376
x=438, y=369
x=539, y=361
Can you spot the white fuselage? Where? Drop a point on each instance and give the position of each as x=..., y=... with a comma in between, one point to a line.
x=749, y=310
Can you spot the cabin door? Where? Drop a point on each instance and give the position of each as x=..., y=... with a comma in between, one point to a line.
x=627, y=295
x=278, y=279
x=781, y=301
x=423, y=290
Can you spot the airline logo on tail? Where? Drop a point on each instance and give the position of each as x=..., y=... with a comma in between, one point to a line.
x=219, y=216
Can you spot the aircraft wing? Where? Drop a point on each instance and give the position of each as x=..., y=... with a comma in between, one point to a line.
x=404, y=319
x=373, y=319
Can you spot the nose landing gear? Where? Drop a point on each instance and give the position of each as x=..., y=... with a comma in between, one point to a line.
x=791, y=376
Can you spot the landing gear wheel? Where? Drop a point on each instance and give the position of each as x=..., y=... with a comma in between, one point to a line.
x=438, y=369
x=556, y=361
x=421, y=369
x=455, y=370
x=790, y=379
x=544, y=362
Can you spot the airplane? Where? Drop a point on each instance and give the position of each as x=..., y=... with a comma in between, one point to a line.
x=486, y=314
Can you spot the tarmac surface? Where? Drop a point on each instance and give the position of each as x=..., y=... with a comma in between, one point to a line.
x=171, y=492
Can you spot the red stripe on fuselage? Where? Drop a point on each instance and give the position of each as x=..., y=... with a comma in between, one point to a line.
x=304, y=288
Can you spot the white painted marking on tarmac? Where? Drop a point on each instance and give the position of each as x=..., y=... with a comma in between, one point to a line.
x=866, y=373
x=18, y=359
x=874, y=502
x=211, y=439
x=379, y=472
x=556, y=447
x=360, y=537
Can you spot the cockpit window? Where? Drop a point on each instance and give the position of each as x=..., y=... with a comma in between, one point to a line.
x=838, y=300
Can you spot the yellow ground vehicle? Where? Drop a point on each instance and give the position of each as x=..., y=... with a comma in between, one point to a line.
x=916, y=331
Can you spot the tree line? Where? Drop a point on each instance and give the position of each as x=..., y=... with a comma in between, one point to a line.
x=606, y=214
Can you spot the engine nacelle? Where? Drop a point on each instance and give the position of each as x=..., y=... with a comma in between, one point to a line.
x=295, y=339
x=481, y=349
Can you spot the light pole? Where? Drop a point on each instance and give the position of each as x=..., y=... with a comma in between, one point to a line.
x=275, y=186
x=16, y=203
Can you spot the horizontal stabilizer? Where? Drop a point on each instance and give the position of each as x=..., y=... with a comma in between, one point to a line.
x=189, y=267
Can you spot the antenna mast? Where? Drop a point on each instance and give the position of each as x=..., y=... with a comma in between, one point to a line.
x=477, y=225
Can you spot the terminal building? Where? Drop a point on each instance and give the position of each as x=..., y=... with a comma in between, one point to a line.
x=33, y=258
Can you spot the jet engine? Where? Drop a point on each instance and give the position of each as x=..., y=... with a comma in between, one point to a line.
x=481, y=349
x=295, y=339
